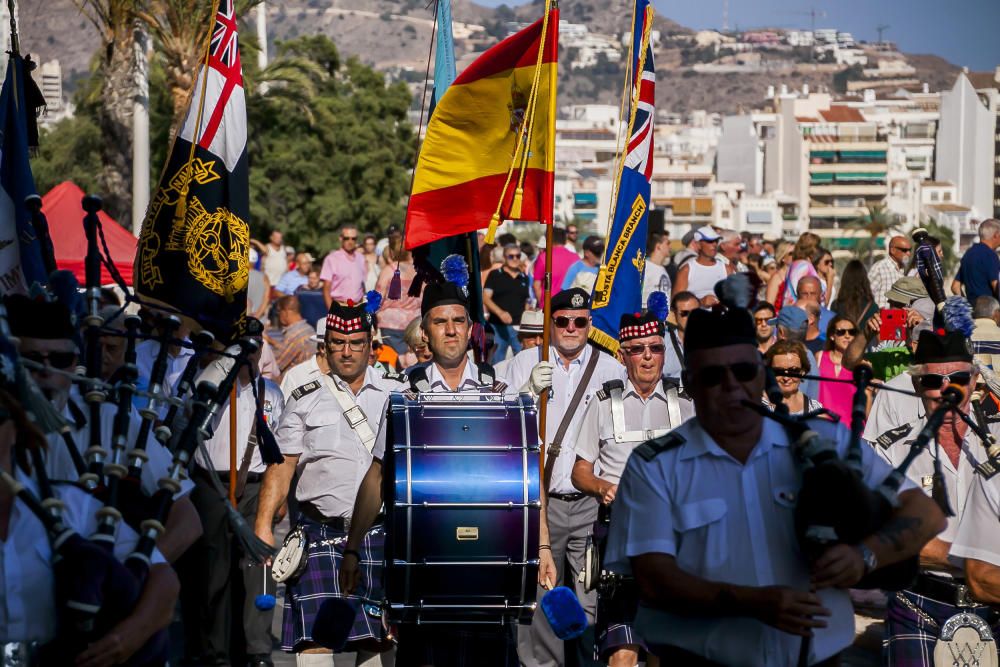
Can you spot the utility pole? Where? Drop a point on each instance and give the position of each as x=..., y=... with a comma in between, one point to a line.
x=881, y=29
x=140, y=128
x=725, y=16
x=262, y=34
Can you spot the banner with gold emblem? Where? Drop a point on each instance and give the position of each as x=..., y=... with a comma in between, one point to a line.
x=194, y=248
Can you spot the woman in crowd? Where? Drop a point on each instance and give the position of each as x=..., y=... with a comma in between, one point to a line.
x=837, y=396
x=781, y=287
x=396, y=314
x=371, y=261
x=417, y=351
x=823, y=263
x=855, y=301
x=790, y=360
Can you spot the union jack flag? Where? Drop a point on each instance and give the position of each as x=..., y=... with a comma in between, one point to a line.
x=640, y=142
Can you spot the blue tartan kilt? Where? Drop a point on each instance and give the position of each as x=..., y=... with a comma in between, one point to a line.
x=318, y=583
x=909, y=639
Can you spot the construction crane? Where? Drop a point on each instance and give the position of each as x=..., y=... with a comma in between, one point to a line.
x=812, y=14
x=881, y=29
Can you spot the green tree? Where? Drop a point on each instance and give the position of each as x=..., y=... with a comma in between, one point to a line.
x=329, y=144
x=69, y=151
x=876, y=222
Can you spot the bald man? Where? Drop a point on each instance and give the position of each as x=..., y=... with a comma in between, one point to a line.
x=890, y=268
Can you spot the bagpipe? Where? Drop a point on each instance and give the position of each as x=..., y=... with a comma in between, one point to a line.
x=95, y=590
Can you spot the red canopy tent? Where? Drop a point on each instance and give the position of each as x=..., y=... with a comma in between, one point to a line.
x=63, y=209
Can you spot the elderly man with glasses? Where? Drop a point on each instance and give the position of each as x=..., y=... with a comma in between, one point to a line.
x=344, y=270
x=954, y=458
x=703, y=519
x=889, y=269
x=575, y=374
x=627, y=413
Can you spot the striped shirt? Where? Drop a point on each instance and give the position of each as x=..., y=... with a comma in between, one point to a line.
x=296, y=345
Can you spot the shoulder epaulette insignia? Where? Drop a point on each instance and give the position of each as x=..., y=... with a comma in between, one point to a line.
x=393, y=375
x=650, y=449
x=893, y=435
x=605, y=391
x=307, y=388
x=988, y=468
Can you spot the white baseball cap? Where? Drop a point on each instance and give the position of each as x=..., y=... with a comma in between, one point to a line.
x=706, y=233
x=320, y=330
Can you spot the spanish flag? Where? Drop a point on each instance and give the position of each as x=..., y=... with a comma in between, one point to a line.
x=470, y=171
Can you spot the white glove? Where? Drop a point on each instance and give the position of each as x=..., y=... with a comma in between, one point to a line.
x=540, y=378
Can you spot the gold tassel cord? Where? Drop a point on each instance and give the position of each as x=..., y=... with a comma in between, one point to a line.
x=523, y=137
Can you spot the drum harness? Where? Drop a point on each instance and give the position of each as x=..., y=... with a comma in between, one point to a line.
x=291, y=559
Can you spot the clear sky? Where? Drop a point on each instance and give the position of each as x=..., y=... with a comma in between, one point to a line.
x=965, y=32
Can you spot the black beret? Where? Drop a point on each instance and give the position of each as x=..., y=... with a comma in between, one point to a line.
x=443, y=294
x=707, y=329
x=34, y=318
x=571, y=299
x=936, y=347
x=639, y=325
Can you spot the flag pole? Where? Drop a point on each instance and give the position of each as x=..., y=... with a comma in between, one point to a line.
x=232, y=446
x=548, y=201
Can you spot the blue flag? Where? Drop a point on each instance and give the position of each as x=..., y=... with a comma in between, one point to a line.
x=444, y=53
x=618, y=288
x=21, y=262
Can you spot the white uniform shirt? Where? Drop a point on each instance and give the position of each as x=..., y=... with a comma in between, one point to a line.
x=959, y=480
x=218, y=444
x=332, y=459
x=468, y=382
x=300, y=374
x=891, y=409
x=27, y=585
x=59, y=465
x=595, y=441
x=728, y=522
x=977, y=535
x=145, y=357
x=564, y=383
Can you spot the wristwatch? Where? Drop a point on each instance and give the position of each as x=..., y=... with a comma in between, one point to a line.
x=868, y=556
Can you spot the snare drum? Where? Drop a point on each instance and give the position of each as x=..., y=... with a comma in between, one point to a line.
x=460, y=483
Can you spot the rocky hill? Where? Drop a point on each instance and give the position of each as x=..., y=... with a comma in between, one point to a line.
x=394, y=35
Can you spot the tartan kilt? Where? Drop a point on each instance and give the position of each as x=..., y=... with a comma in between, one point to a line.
x=615, y=610
x=909, y=639
x=318, y=583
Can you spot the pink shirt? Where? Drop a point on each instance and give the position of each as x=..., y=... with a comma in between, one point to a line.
x=345, y=275
x=562, y=259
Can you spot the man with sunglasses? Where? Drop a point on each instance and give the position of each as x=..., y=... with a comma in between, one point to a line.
x=704, y=520
x=344, y=270
x=46, y=336
x=326, y=433
x=627, y=414
x=889, y=269
x=575, y=373
x=505, y=295
x=940, y=591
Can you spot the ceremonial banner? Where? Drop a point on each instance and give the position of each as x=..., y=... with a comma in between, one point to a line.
x=20, y=251
x=463, y=174
x=194, y=248
x=618, y=288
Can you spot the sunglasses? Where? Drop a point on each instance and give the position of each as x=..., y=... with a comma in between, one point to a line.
x=685, y=313
x=845, y=332
x=901, y=249
x=579, y=322
x=762, y=320
x=790, y=372
x=513, y=257
x=938, y=381
x=348, y=238
x=636, y=350
x=53, y=359
x=711, y=376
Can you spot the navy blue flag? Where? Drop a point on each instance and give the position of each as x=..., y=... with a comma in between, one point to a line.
x=618, y=288
x=194, y=250
x=20, y=251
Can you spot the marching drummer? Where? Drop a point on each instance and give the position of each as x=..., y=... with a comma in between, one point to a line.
x=446, y=326
x=327, y=432
x=625, y=415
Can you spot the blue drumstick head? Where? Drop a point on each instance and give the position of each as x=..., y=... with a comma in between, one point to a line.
x=564, y=613
x=264, y=602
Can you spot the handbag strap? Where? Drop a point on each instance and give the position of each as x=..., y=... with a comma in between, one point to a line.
x=581, y=388
x=353, y=413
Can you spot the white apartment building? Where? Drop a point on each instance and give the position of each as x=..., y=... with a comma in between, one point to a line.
x=967, y=141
